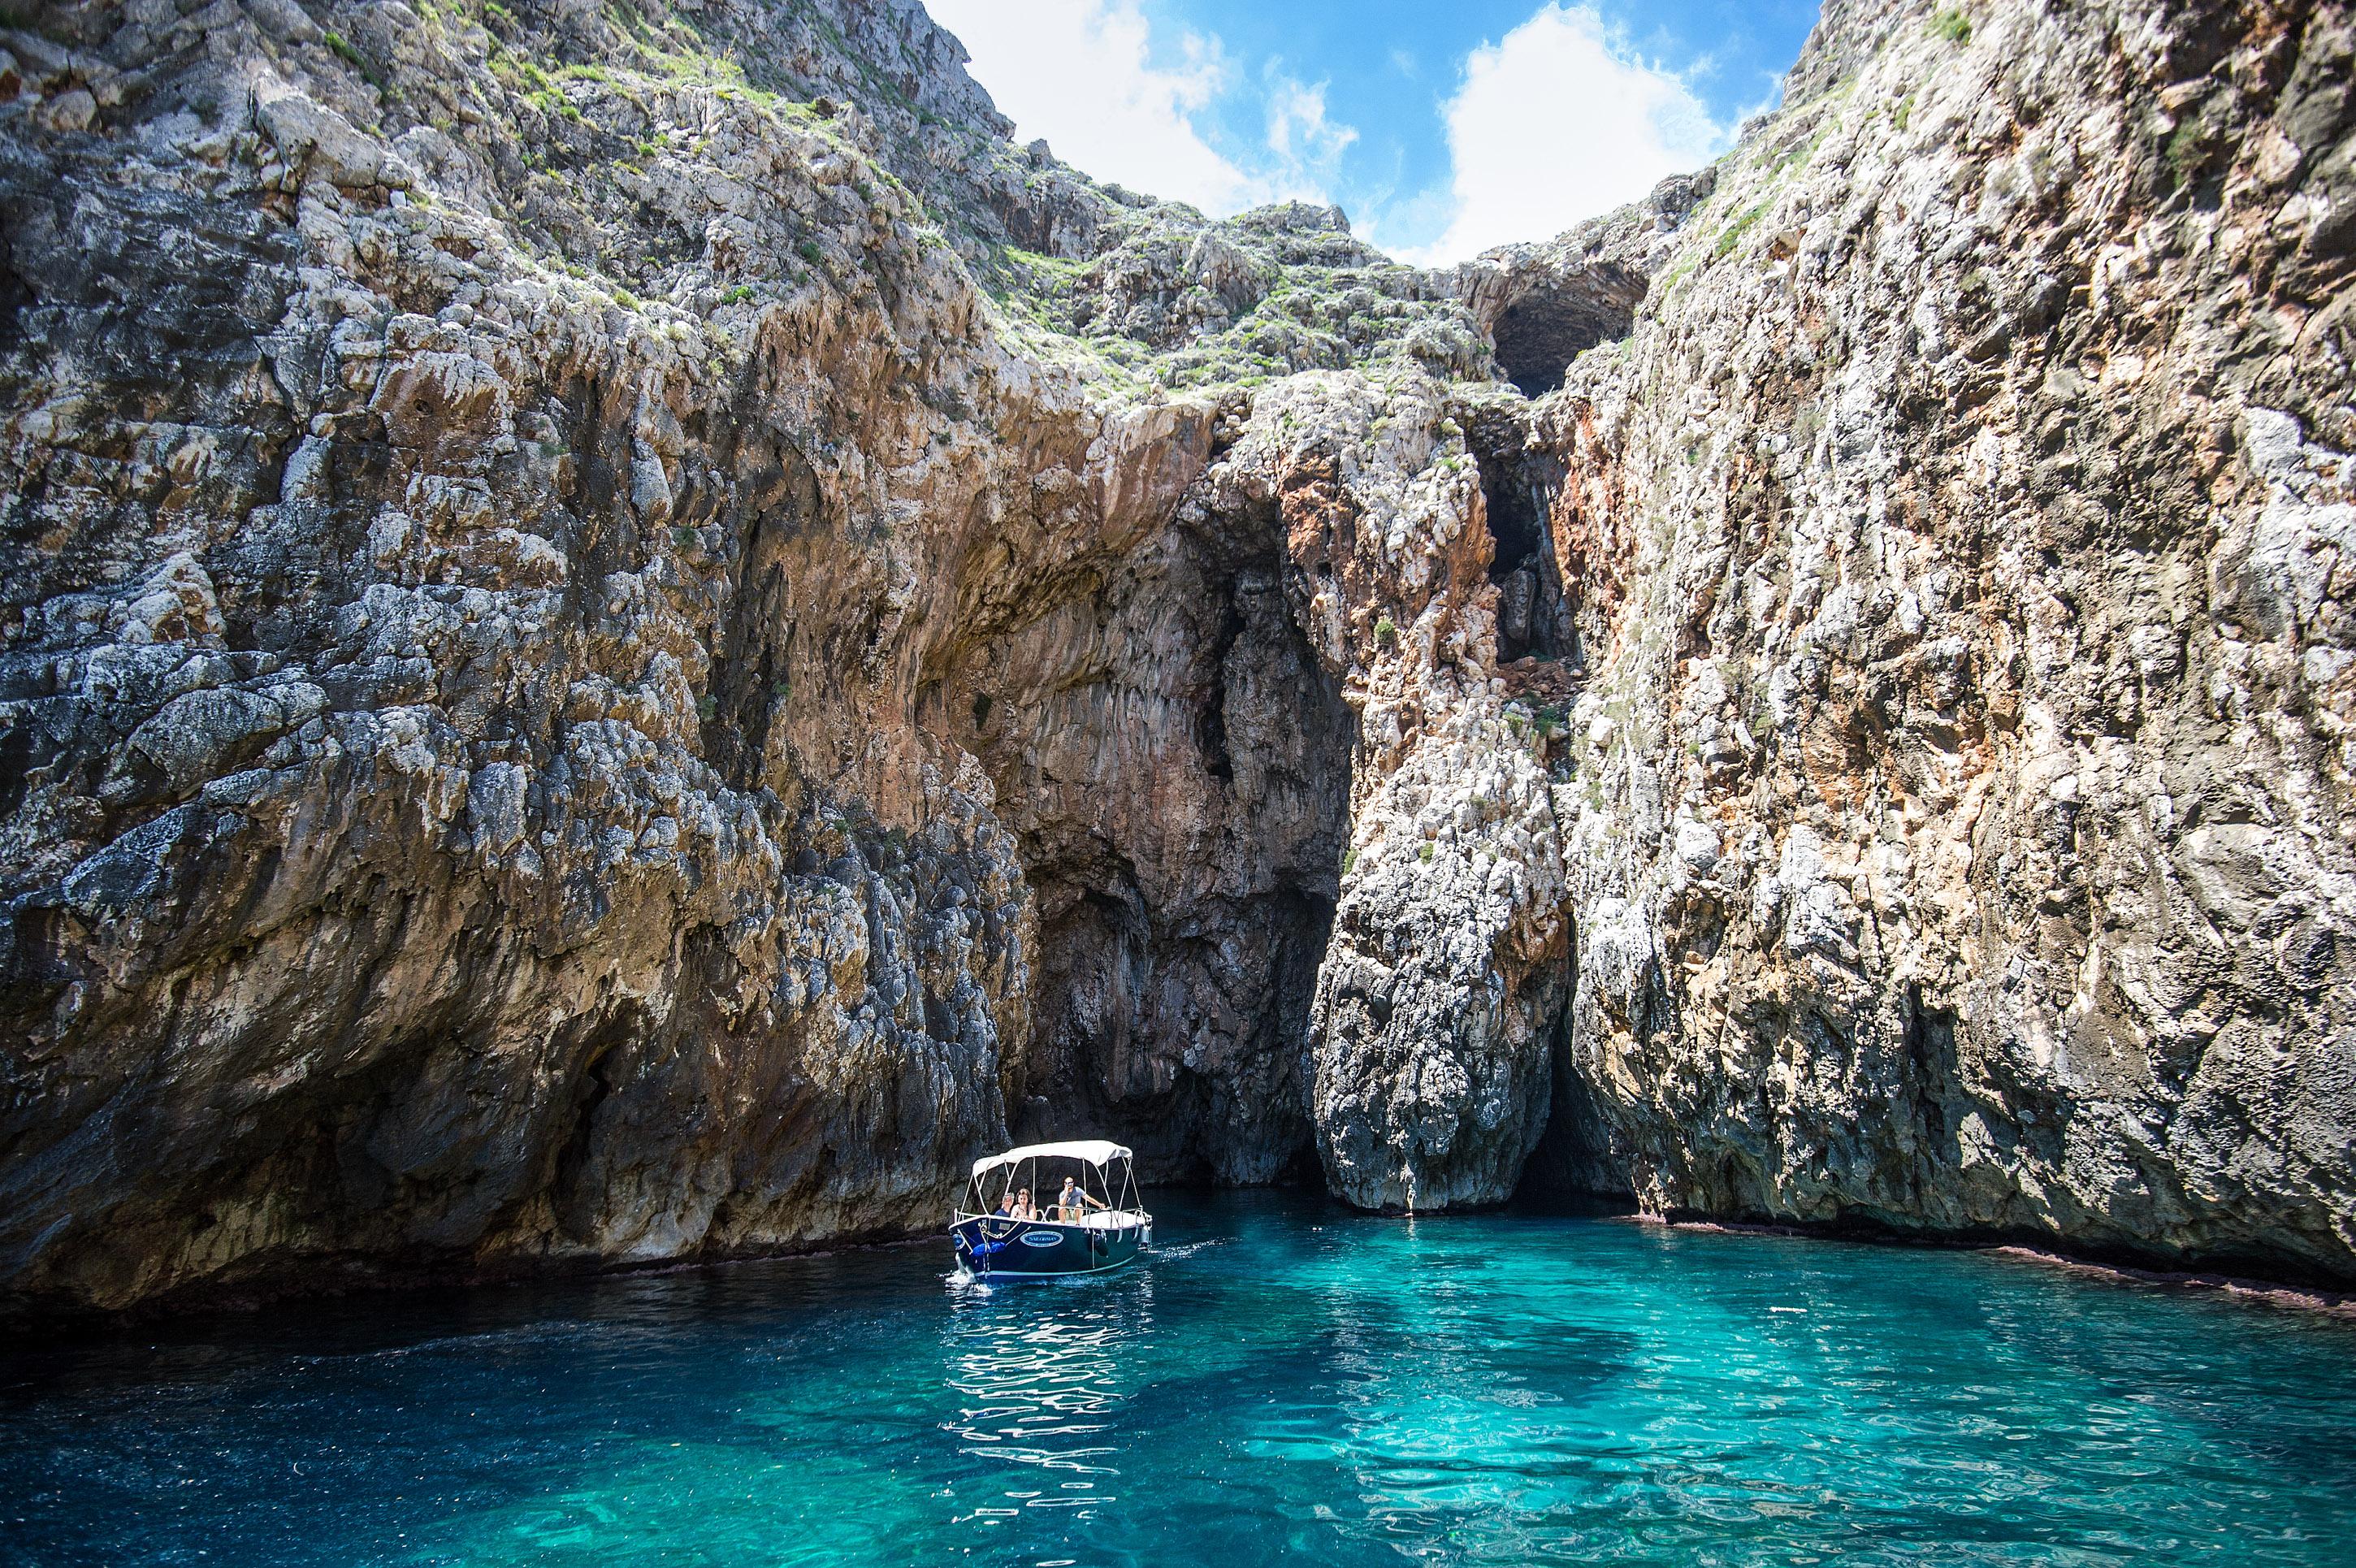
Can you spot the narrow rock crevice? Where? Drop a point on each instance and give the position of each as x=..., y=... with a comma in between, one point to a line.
x=1520, y=477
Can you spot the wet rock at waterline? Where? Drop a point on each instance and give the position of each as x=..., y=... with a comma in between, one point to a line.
x=623, y=661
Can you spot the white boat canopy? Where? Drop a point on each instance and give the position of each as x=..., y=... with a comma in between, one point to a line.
x=1096, y=1151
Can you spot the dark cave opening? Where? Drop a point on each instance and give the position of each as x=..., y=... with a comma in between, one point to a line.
x=1518, y=484
x=1211, y=720
x=1575, y=1168
x=1549, y=324
x=1515, y=528
x=1186, y=862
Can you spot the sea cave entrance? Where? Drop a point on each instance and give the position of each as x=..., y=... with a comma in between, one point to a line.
x=1175, y=763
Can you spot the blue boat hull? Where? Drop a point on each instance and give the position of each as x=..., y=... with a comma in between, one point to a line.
x=1040, y=1249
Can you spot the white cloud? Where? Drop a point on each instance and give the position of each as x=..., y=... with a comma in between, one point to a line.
x=1082, y=74
x=1559, y=120
x=1306, y=146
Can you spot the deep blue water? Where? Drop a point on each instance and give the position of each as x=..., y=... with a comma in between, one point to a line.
x=1279, y=1382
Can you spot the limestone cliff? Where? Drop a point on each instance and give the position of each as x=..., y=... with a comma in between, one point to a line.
x=1962, y=836
x=627, y=634
x=481, y=530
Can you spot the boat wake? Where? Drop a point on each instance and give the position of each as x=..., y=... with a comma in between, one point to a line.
x=1186, y=1249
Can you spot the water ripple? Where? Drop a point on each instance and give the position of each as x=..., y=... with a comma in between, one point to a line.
x=1278, y=1383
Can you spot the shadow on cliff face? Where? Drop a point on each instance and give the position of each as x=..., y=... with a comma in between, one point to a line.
x=752, y=672
x=1177, y=768
x=1519, y=479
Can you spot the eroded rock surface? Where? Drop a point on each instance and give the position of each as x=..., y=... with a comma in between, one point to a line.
x=629, y=634
x=466, y=806
x=1962, y=840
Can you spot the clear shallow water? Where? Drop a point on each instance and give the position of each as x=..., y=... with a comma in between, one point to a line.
x=1281, y=1380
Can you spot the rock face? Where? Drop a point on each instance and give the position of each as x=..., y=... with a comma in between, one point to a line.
x=628, y=634
x=1435, y=1011
x=466, y=805
x=1964, y=845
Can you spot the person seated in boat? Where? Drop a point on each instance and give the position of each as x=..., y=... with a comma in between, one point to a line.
x=1023, y=1208
x=1074, y=1204
x=1006, y=1209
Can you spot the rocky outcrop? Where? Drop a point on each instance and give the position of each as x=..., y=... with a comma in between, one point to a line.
x=1448, y=967
x=465, y=804
x=628, y=634
x=1959, y=838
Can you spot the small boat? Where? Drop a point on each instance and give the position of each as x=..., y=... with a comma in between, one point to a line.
x=1108, y=1228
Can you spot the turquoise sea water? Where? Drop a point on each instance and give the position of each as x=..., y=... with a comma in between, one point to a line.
x=1281, y=1382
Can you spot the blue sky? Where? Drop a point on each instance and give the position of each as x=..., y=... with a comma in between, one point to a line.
x=1443, y=128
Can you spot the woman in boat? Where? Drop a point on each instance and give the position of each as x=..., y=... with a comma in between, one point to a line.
x=1103, y=1226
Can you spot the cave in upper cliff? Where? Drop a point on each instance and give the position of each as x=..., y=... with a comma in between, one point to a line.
x=1550, y=325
